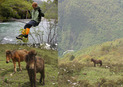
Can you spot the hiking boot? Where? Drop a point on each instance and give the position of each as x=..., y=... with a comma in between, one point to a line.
x=26, y=36
x=21, y=36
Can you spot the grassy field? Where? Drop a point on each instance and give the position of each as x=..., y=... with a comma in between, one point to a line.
x=79, y=71
x=20, y=78
x=82, y=75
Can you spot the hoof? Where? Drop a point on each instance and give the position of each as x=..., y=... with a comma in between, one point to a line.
x=40, y=81
x=21, y=69
x=14, y=72
x=42, y=84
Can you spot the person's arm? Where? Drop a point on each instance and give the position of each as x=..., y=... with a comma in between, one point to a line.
x=42, y=14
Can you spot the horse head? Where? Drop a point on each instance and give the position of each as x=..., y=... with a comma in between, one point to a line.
x=8, y=56
x=92, y=59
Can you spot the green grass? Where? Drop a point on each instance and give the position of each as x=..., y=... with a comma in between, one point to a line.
x=95, y=73
x=85, y=75
x=82, y=72
x=20, y=78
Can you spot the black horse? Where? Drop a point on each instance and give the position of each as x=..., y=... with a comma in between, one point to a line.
x=96, y=62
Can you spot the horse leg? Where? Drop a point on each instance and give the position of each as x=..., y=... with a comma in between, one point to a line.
x=31, y=77
x=43, y=74
x=40, y=77
x=31, y=81
x=100, y=63
x=29, y=74
x=94, y=65
x=34, y=78
x=19, y=65
x=14, y=66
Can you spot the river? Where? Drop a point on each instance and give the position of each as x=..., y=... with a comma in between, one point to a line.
x=9, y=31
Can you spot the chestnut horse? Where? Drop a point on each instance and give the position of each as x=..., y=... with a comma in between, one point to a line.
x=96, y=62
x=16, y=56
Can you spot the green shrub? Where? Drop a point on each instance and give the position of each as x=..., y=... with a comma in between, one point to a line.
x=72, y=57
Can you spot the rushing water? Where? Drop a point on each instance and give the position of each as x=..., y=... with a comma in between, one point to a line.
x=9, y=31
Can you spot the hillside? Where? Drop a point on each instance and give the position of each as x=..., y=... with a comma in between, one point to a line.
x=21, y=79
x=89, y=22
x=80, y=69
x=108, y=51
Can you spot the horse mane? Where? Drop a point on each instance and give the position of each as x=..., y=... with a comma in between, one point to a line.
x=29, y=56
x=32, y=52
x=92, y=59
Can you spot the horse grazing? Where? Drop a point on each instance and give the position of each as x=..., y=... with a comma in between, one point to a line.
x=96, y=62
x=16, y=56
x=34, y=65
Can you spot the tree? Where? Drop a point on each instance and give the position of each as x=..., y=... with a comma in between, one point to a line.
x=14, y=9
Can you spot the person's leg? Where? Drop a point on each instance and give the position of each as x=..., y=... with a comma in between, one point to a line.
x=27, y=27
x=26, y=30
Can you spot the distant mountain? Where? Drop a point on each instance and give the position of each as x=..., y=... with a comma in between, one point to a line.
x=85, y=23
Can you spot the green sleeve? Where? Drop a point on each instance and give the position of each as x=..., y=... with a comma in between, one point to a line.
x=35, y=15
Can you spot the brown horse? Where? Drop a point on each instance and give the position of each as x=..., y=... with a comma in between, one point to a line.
x=16, y=56
x=96, y=62
x=34, y=65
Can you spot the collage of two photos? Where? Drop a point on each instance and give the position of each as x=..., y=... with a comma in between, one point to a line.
x=61, y=43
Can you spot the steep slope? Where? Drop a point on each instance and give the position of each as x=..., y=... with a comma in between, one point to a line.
x=80, y=71
x=88, y=22
x=108, y=52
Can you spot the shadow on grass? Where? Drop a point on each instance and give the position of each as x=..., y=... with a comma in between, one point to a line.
x=10, y=70
x=27, y=84
x=5, y=72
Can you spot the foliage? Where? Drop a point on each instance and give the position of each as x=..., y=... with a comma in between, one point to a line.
x=18, y=9
x=14, y=8
x=72, y=57
x=50, y=9
x=89, y=22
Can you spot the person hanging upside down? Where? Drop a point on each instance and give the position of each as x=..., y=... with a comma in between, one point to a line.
x=36, y=19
